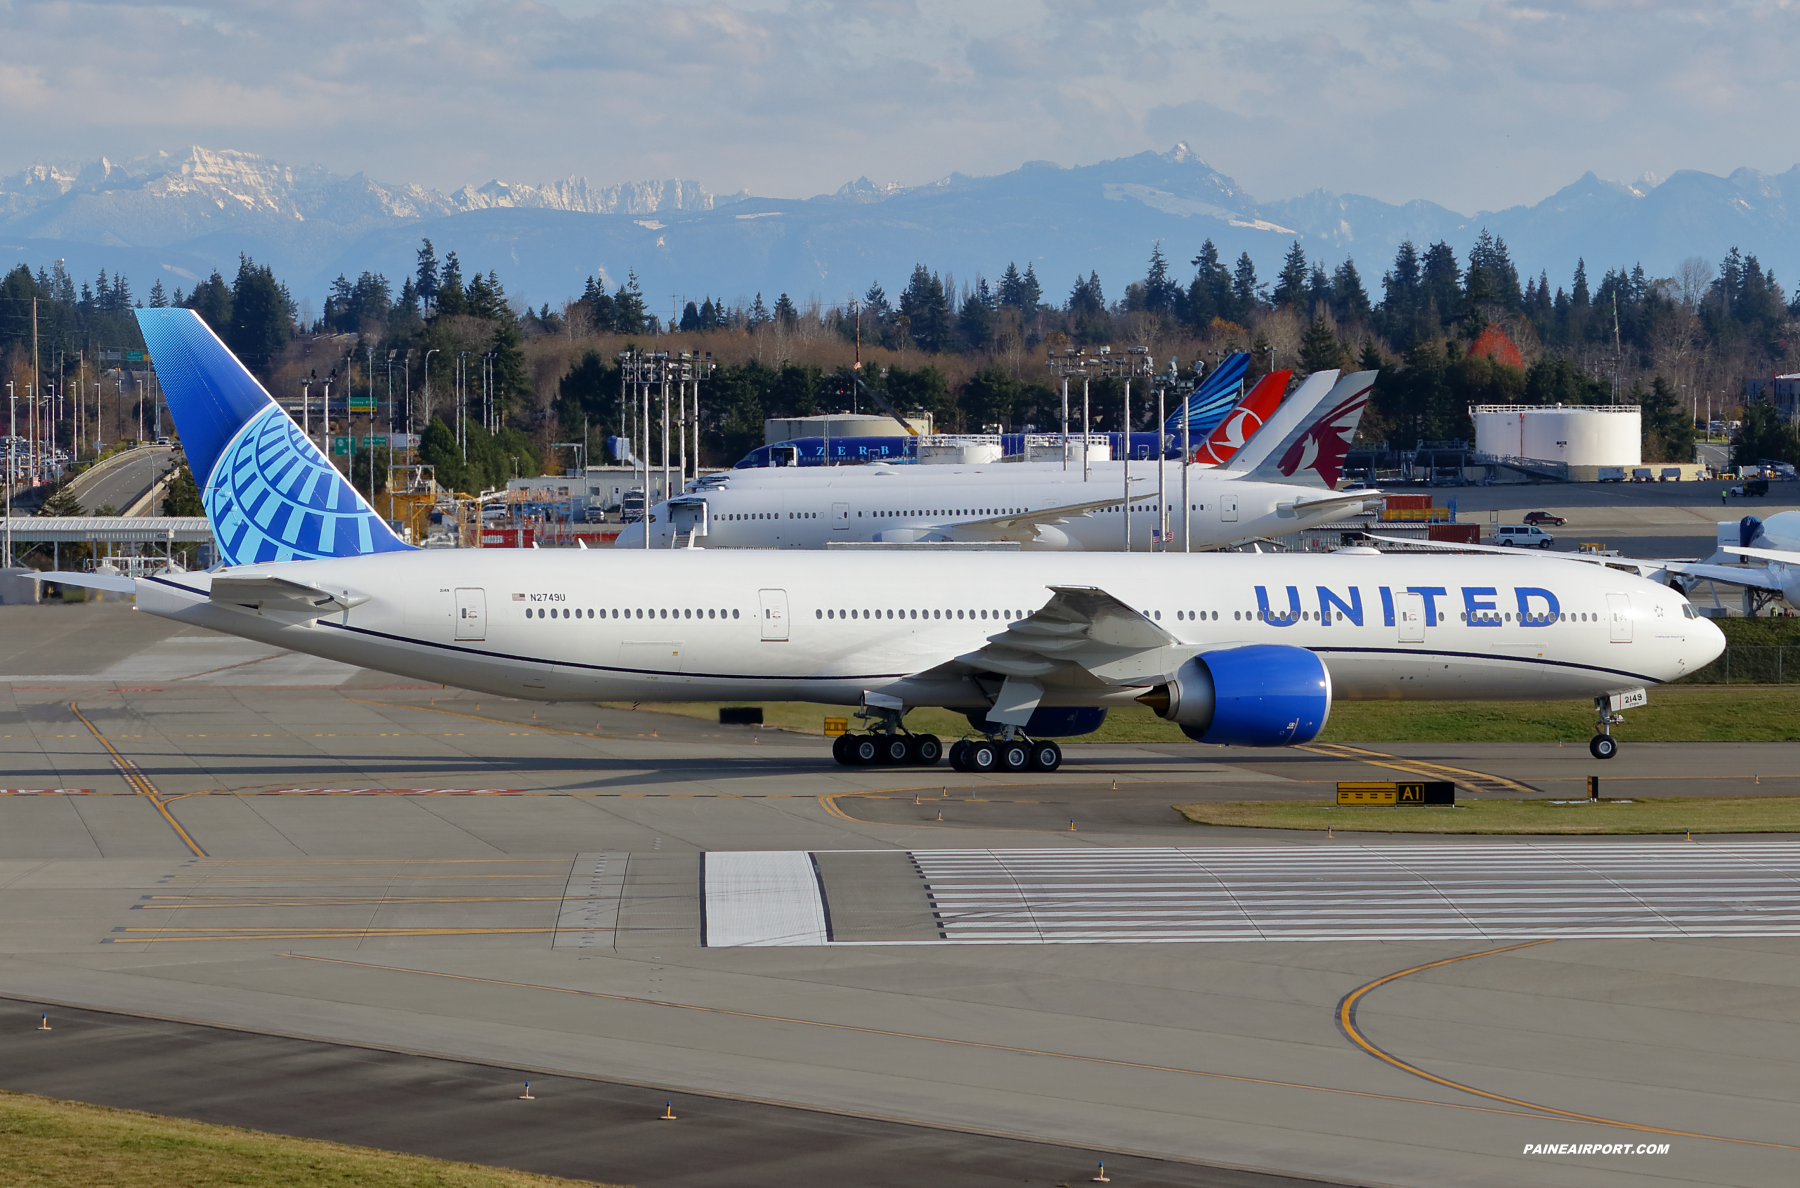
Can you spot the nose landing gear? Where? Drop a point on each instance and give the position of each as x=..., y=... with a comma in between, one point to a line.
x=1606, y=712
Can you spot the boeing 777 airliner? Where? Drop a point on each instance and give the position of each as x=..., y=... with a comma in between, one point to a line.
x=1241, y=649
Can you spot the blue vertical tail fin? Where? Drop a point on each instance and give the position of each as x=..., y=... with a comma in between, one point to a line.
x=1212, y=400
x=269, y=493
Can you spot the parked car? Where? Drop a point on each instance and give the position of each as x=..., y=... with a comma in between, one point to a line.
x=1544, y=517
x=594, y=514
x=1523, y=536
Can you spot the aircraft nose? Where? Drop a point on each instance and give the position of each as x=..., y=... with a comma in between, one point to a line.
x=1705, y=644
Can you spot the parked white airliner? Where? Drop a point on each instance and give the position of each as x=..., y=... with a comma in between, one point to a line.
x=1239, y=649
x=1280, y=482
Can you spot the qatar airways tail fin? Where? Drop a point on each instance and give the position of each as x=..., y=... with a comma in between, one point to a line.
x=1307, y=438
x=1244, y=420
x=1211, y=401
x=269, y=493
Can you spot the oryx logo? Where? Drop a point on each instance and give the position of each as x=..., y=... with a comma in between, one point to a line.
x=1322, y=447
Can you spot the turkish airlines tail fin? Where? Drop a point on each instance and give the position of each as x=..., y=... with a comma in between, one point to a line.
x=1307, y=438
x=1244, y=420
x=269, y=493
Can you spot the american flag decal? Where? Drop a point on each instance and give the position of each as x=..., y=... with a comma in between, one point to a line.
x=518, y=598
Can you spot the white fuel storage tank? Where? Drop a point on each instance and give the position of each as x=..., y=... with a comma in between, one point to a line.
x=1573, y=434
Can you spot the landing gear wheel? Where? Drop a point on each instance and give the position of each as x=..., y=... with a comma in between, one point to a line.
x=926, y=750
x=1015, y=756
x=864, y=750
x=1045, y=756
x=959, y=754
x=981, y=755
x=1603, y=746
x=895, y=750
x=840, y=749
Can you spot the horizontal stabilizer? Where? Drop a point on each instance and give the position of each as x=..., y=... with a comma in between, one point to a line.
x=262, y=592
x=118, y=583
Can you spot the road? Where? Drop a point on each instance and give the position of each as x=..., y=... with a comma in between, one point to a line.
x=120, y=482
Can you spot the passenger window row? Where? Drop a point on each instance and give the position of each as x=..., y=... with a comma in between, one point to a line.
x=939, y=511
x=916, y=614
x=639, y=613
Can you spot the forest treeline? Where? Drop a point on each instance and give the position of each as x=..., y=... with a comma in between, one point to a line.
x=1447, y=332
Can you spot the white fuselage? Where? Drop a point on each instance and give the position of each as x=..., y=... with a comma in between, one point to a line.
x=689, y=625
x=808, y=508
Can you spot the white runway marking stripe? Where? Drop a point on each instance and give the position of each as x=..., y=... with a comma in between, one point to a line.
x=758, y=898
x=1472, y=892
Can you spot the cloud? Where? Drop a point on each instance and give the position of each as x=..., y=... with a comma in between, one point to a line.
x=1472, y=103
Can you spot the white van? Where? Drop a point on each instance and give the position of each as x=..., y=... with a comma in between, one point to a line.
x=1523, y=536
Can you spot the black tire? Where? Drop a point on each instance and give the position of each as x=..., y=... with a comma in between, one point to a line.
x=959, y=754
x=1603, y=746
x=981, y=755
x=1045, y=756
x=1015, y=756
x=896, y=750
x=840, y=749
x=926, y=750
x=865, y=751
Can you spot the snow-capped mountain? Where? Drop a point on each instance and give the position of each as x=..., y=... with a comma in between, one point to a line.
x=185, y=214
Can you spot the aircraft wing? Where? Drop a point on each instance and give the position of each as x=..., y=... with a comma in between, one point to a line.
x=1023, y=526
x=1341, y=499
x=264, y=592
x=1783, y=555
x=1081, y=636
x=1756, y=577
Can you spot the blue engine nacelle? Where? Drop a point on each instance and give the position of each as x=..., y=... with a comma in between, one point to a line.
x=1047, y=721
x=1260, y=695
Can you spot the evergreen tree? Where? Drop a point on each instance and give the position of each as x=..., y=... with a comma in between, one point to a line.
x=1246, y=293
x=1290, y=285
x=426, y=275
x=1668, y=425
x=1318, y=287
x=975, y=321
x=1320, y=349
x=1087, y=310
x=989, y=398
x=183, y=497
x=1161, y=295
x=1348, y=298
x=630, y=316
x=1012, y=287
x=1031, y=293
x=158, y=298
x=759, y=313
x=709, y=314
x=407, y=305
x=875, y=303
x=926, y=309
x=262, y=318
x=1209, y=295
x=1402, y=288
x=449, y=300
x=211, y=299
x=690, y=317
x=1441, y=278
x=786, y=316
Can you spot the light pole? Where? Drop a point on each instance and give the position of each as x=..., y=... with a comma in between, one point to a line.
x=428, y=355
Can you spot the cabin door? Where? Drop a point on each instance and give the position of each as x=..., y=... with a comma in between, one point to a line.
x=774, y=614
x=1228, y=509
x=1409, y=616
x=1618, y=611
x=471, y=613
x=840, y=517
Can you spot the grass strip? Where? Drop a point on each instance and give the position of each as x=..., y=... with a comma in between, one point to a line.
x=1675, y=814
x=1676, y=713
x=45, y=1143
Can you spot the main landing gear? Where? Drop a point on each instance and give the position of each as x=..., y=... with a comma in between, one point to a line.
x=887, y=749
x=1604, y=745
x=1009, y=755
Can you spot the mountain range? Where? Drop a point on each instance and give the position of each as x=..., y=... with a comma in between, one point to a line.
x=179, y=216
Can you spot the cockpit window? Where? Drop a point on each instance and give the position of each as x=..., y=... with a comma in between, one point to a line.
x=1687, y=611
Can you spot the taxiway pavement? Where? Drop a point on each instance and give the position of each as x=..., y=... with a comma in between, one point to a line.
x=203, y=829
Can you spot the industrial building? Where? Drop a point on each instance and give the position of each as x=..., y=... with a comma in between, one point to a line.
x=1570, y=441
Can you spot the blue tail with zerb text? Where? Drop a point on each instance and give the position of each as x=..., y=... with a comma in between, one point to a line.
x=269, y=493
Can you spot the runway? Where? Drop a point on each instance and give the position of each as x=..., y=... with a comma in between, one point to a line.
x=587, y=894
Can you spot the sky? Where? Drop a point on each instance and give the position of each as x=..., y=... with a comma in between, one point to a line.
x=1473, y=105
